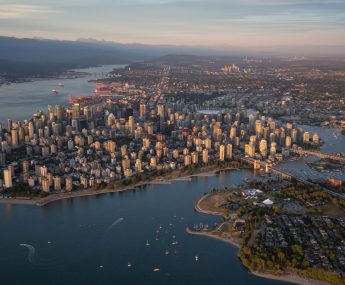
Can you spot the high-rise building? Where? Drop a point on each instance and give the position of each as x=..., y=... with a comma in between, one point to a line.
x=306, y=137
x=126, y=163
x=7, y=178
x=31, y=130
x=160, y=110
x=316, y=138
x=59, y=112
x=142, y=111
x=75, y=111
x=208, y=143
x=205, y=156
x=25, y=171
x=273, y=148
x=187, y=160
x=229, y=151
x=69, y=184
x=14, y=136
x=288, y=141
x=43, y=171
x=222, y=153
x=9, y=124
x=153, y=161
x=232, y=133
x=263, y=148
x=57, y=183
x=138, y=165
x=195, y=157
x=45, y=185
x=131, y=123
x=249, y=149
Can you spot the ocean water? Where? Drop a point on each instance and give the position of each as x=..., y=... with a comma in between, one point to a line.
x=91, y=240
x=19, y=101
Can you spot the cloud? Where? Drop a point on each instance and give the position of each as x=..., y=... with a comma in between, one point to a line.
x=10, y=11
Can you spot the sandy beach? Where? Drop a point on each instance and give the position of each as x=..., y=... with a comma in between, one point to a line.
x=160, y=180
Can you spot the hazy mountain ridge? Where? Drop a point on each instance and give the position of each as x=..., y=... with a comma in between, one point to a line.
x=43, y=57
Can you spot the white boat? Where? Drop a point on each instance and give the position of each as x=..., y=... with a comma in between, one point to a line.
x=156, y=270
x=147, y=243
x=129, y=264
x=60, y=84
x=196, y=258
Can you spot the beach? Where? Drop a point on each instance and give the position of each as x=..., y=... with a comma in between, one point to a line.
x=159, y=180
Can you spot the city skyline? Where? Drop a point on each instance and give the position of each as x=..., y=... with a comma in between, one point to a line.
x=194, y=23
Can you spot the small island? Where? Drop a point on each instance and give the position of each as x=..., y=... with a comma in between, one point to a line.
x=285, y=231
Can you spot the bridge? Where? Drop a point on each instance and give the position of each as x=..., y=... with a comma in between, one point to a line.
x=319, y=154
x=257, y=164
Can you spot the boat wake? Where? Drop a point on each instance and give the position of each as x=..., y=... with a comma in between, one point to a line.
x=119, y=220
x=31, y=252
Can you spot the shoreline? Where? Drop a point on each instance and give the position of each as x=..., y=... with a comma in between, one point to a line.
x=159, y=180
x=288, y=277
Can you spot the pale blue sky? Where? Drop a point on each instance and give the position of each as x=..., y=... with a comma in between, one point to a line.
x=190, y=22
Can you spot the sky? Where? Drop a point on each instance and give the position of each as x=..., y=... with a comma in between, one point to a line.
x=179, y=22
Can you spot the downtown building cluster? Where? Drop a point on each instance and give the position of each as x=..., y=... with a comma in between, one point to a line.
x=87, y=146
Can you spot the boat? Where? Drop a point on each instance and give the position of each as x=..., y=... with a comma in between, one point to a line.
x=60, y=84
x=129, y=264
x=156, y=270
x=166, y=252
x=54, y=92
x=147, y=243
x=174, y=242
x=196, y=258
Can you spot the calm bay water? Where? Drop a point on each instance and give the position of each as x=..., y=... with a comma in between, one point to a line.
x=19, y=101
x=334, y=142
x=84, y=241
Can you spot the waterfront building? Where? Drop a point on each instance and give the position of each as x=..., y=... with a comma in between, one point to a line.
x=69, y=184
x=306, y=137
x=222, y=153
x=229, y=151
x=8, y=178
x=45, y=185
x=57, y=183
x=205, y=156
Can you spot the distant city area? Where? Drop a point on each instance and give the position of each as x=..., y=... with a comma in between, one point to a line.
x=179, y=115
